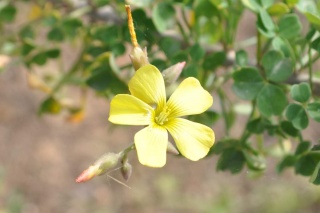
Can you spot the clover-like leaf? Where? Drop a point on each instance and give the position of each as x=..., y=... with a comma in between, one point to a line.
x=313, y=110
x=231, y=159
x=301, y=92
x=289, y=26
x=297, y=115
x=271, y=100
x=163, y=16
x=265, y=24
x=247, y=83
x=277, y=67
x=289, y=129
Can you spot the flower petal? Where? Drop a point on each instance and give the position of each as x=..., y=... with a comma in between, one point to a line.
x=193, y=140
x=147, y=84
x=129, y=110
x=189, y=99
x=151, y=144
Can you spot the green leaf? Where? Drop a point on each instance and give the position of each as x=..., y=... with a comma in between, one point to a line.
x=102, y=77
x=253, y=5
x=314, y=19
x=289, y=26
x=160, y=64
x=163, y=16
x=8, y=13
x=283, y=46
x=258, y=125
x=265, y=24
x=51, y=106
x=55, y=34
x=286, y=162
x=303, y=148
x=278, y=9
x=313, y=110
x=39, y=59
x=289, y=129
x=297, y=115
x=231, y=159
x=207, y=118
x=108, y=35
x=214, y=60
x=27, y=47
x=316, y=44
x=247, y=83
x=315, y=177
x=118, y=49
x=254, y=162
x=71, y=26
x=277, y=68
x=141, y=3
x=179, y=57
x=53, y=53
x=191, y=71
x=242, y=58
x=196, y=52
x=100, y=3
x=271, y=100
x=266, y=3
x=169, y=46
x=305, y=165
x=301, y=92
x=26, y=33
x=205, y=8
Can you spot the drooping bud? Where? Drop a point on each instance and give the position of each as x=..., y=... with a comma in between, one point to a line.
x=172, y=149
x=126, y=170
x=101, y=166
x=36, y=83
x=171, y=74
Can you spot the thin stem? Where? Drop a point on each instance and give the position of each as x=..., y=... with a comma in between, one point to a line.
x=184, y=35
x=300, y=137
x=123, y=154
x=246, y=134
x=259, y=42
x=310, y=67
x=67, y=75
x=224, y=111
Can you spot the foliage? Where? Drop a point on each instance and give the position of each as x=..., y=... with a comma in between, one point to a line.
x=281, y=84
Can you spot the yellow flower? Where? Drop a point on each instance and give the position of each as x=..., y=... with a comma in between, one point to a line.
x=147, y=105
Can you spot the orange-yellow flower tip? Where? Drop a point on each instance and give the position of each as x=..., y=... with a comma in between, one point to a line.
x=76, y=117
x=87, y=175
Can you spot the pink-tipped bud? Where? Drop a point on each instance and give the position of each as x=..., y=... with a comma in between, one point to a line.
x=126, y=171
x=172, y=149
x=171, y=74
x=139, y=57
x=101, y=166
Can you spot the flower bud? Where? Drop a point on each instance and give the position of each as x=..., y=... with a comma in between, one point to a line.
x=139, y=57
x=172, y=149
x=101, y=166
x=171, y=74
x=126, y=170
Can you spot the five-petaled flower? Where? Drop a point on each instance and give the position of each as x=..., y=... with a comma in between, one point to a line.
x=147, y=105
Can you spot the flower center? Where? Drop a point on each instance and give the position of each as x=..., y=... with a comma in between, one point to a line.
x=162, y=117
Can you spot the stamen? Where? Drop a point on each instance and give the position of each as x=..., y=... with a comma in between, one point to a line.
x=162, y=118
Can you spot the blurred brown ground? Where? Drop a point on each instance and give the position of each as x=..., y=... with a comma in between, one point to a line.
x=41, y=157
